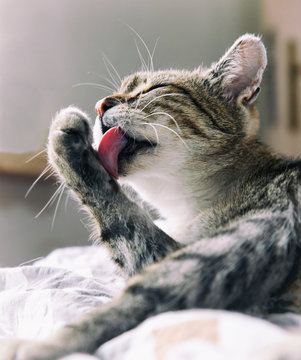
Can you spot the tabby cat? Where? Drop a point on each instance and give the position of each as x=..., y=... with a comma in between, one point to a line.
x=223, y=229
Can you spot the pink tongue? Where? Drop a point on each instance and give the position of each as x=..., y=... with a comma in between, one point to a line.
x=111, y=144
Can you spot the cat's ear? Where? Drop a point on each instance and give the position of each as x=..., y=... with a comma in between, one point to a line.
x=239, y=71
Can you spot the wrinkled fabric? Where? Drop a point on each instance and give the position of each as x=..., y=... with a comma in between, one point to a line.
x=37, y=299
x=196, y=335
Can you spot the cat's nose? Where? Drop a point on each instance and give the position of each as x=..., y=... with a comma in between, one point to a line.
x=104, y=104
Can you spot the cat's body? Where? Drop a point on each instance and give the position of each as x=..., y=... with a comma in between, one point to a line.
x=231, y=207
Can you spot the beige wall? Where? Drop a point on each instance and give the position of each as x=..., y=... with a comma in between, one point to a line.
x=22, y=237
x=281, y=20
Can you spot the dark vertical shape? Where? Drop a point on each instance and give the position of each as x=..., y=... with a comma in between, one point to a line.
x=292, y=85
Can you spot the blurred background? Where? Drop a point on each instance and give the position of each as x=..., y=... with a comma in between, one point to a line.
x=53, y=52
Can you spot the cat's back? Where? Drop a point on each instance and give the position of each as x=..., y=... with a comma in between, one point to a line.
x=275, y=188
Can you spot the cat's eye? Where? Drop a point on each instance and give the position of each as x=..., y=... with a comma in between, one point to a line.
x=145, y=91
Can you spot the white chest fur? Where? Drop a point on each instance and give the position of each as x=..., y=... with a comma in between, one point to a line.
x=176, y=207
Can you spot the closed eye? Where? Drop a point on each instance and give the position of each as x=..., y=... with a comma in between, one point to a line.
x=154, y=87
x=145, y=91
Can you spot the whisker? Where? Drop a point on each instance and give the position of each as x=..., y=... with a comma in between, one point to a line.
x=148, y=140
x=143, y=63
x=35, y=156
x=50, y=174
x=145, y=46
x=139, y=99
x=57, y=206
x=108, y=62
x=47, y=168
x=110, y=74
x=155, y=130
x=168, y=115
x=99, y=86
x=53, y=197
x=155, y=47
x=173, y=131
x=67, y=200
x=159, y=96
x=104, y=78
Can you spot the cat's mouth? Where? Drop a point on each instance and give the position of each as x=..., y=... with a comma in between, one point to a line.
x=117, y=148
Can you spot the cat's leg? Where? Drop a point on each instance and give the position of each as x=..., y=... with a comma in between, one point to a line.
x=127, y=229
x=241, y=275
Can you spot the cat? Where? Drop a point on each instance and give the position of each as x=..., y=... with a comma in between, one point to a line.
x=223, y=227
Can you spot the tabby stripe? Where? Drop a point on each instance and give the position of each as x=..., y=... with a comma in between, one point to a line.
x=203, y=109
x=133, y=84
x=184, y=118
x=188, y=121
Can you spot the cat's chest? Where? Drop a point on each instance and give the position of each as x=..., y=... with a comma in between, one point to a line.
x=176, y=207
x=178, y=216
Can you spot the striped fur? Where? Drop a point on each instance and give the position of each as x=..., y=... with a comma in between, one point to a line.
x=228, y=236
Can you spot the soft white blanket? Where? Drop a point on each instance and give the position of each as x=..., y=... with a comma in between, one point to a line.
x=37, y=299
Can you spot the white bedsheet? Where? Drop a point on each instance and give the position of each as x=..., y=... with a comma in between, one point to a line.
x=37, y=299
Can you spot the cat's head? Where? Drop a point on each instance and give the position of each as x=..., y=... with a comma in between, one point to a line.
x=175, y=121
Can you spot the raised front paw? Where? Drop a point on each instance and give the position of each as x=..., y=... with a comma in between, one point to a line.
x=70, y=134
x=72, y=156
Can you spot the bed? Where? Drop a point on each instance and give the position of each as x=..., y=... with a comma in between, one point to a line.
x=38, y=298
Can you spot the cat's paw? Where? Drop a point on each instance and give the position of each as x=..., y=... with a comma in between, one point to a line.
x=73, y=158
x=70, y=133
